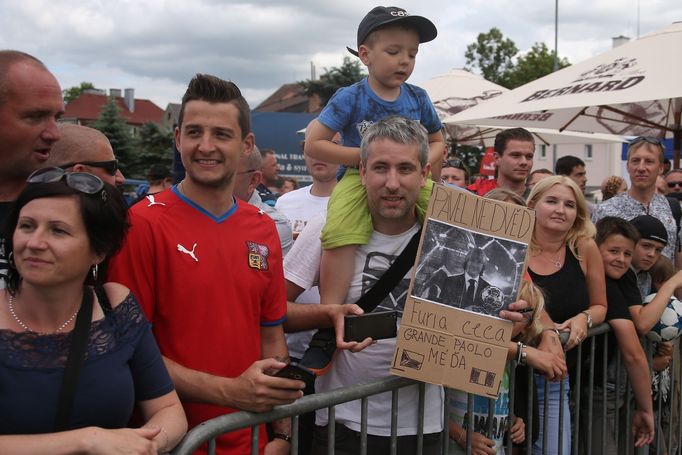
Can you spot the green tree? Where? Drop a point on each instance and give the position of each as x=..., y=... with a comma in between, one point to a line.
x=72, y=93
x=154, y=145
x=492, y=54
x=115, y=128
x=334, y=78
x=536, y=63
x=470, y=155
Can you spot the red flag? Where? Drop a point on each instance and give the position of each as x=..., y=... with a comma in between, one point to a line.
x=488, y=163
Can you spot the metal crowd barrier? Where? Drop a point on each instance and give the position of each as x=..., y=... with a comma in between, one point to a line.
x=663, y=441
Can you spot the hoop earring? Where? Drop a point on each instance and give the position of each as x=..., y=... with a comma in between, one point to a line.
x=95, y=269
x=10, y=260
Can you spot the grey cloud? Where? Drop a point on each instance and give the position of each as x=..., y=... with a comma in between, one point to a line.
x=158, y=45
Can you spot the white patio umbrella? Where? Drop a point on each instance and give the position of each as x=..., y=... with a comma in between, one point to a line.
x=459, y=90
x=633, y=90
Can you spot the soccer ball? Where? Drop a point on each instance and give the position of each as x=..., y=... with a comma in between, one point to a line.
x=670, y=325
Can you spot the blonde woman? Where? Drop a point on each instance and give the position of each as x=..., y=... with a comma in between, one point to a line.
x=565, y=263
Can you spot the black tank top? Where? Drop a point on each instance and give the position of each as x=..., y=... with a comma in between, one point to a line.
x=565, y=290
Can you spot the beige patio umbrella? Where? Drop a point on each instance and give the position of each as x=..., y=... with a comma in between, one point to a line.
x=633, y=90
x=459, y=90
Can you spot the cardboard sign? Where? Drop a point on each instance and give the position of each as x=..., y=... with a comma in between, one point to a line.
x=472, y=257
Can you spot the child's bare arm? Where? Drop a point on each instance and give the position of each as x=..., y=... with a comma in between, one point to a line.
x=436, y=145
x=319, y=145
x=646, y=316
x=638, y=372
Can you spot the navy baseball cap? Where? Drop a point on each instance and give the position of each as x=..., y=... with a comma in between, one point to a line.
x=650, y=228
x=385, y=15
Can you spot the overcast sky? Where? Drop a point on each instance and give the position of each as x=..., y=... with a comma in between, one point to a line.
x=155, y=46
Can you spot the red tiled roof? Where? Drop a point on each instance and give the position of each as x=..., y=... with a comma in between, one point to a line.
x=287, y=98
x=88, y=106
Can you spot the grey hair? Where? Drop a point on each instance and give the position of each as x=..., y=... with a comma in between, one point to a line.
x=254, y=161
x=398, y=129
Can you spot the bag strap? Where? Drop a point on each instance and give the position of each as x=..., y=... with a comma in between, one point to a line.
x=74, y=361
x=391, y=277
x=322, y=346
x=104, y=302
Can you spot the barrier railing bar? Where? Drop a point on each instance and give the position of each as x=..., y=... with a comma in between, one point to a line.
x=331, y=430
x=254, y=440
x=512, y=387
x=420, y=418
x=617, y=418
x=604, y=393
x=545, y=416
x=445, y=436
x=470, y=422
x=590, y=394
x=394, y=422
x=209, y=430
x=364, y=403
x=575, y=440
x=530, y=382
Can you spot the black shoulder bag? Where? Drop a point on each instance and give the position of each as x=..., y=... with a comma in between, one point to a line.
x=74, y=362
x=322, y=346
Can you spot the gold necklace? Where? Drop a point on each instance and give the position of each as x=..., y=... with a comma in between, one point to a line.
x=555, y=262
x=23, y=325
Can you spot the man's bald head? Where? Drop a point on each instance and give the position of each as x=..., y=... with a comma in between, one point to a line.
x=80, y=145
x=10, y=57
x=30, y=105
x=77, y=144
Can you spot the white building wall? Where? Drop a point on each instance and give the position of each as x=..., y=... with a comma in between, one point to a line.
x=604, y=160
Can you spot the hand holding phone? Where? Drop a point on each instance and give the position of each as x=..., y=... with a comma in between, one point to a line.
x=377, y=325
x=297, y=372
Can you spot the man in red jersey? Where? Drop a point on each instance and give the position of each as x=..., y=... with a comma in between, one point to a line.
x=207, y=270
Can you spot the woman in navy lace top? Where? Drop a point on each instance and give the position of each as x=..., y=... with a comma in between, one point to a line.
x=64, y=227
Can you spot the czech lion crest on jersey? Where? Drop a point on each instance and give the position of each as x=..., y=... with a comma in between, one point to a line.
x=258, y=255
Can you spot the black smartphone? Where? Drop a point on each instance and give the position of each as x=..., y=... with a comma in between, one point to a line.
x=297, y=372
x=377, y=325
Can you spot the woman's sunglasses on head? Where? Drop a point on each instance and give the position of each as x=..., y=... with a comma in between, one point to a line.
x=79, y=181
x=453, y=162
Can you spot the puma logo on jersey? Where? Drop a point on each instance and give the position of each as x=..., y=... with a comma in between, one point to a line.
x=182, y=249
x=153, y=202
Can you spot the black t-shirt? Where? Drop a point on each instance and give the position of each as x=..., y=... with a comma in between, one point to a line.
x=620, y=295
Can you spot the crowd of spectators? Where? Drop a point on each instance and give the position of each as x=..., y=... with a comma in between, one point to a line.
x=122, y=327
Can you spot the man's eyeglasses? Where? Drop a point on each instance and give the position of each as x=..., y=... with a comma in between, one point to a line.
x=111, y=166
x=674, y=184
x=453, y=162
x=79, y=181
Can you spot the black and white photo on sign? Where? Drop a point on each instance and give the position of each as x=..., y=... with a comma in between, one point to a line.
x=468, y=270
x=375, y=266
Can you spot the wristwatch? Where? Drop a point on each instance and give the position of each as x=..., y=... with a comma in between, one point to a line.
x=589, y=319
x=282, y=436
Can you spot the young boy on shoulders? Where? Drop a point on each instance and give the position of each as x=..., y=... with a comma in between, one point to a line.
x=617, y=240
x=388, y=41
